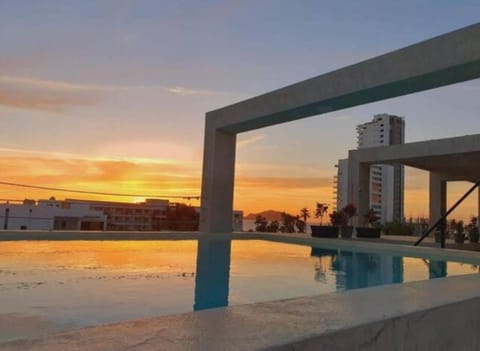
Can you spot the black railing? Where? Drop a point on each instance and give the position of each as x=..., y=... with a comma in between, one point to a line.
x=441, y=222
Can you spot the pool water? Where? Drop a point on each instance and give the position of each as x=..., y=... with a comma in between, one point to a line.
x=47, y=287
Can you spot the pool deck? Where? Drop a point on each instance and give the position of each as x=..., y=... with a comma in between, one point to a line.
x=442, y=314
x=439, y=314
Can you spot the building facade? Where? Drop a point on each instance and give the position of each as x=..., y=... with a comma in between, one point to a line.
x=340, y=189
x=50, y=215
x=144, y=216
x=386, y=181
x=74, y=214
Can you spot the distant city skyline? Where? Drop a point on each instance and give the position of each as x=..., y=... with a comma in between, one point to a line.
x=110, y=96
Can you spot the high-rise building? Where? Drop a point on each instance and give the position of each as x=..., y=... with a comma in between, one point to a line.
x=386, y=181
x=340, y=184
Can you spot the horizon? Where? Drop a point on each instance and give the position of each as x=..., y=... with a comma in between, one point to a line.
x=111, y=96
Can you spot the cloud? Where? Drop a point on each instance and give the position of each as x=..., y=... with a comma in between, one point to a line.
x=250, y=140
x=288, y=183
x=57, y=96
x=96, y=175
x=186, y=92
x=42, y=95
x=144, y=176
x=148, y=150
x=130, y=175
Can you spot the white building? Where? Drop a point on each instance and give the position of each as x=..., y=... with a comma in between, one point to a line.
x=150, y=215
x=74, y=214
x=340, y=184
x=386, y=181
x=50, y=215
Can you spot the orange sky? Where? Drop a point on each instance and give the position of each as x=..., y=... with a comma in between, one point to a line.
x=143, y=176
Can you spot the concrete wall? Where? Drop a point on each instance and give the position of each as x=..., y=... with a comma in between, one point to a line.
x=26, y=216
x=444, y=328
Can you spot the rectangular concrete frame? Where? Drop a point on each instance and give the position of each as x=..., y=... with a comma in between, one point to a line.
x=447, y=59
x=448, y=159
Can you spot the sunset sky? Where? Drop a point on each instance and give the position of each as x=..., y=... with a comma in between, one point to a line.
x=111, y=95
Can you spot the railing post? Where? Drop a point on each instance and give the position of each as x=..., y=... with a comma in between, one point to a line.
x=442, y=233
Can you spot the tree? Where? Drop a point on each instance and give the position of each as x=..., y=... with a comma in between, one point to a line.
x=473, y=221
x=300, y=224
x=452, y=225
x=338, y=218
x=349, y=210
x=288, y=223
x=273, y=227
x=182, y=217
x=320, y=211
x=304, y=214
x=260, y=224
x=370, y=217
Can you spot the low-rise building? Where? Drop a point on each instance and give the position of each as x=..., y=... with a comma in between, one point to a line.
x=75, y=214
x=50, y=215
x=144, y=216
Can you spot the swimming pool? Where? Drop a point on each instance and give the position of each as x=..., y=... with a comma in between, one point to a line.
x=48, y=286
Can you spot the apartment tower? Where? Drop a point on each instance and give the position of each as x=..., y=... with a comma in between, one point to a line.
x=386, y=181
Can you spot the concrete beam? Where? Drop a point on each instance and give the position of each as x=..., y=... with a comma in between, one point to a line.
x=438, y=148
x=450, y=58
x=447, y=59
x=456, y=159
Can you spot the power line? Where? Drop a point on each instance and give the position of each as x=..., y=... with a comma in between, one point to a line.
x=187, y=197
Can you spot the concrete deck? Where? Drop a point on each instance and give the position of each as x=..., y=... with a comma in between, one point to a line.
x=442, y=314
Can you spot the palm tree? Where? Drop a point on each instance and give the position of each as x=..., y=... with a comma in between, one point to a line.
x=305, y=213
x=320, y=211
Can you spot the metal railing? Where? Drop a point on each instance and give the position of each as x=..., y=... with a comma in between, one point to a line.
x=441, y=222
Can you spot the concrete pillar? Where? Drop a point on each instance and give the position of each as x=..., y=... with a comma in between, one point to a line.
x=478, y=208
x=212, y=274
x=359, y=188
x=217, y=181
x=437, y=197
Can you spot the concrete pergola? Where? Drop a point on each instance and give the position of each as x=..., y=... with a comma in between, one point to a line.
x=449, y=159
x=447, y=59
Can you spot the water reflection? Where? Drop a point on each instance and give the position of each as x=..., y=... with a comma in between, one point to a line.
x=344, y=269
x=437, y=269
x=353, y=270
x=46, y=280
x=213, y=273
